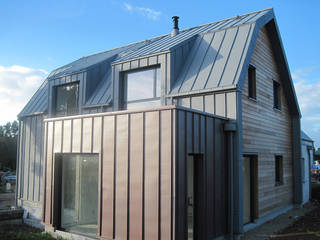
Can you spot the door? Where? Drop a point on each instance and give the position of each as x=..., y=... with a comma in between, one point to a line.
x=79, y=193
x=249, y=173
x=195, y=197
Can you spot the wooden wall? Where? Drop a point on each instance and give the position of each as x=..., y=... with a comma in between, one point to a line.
x=142, y=169
x=267, y=131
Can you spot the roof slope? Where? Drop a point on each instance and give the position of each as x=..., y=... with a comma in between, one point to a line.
x=218, y=59
x=304, y=136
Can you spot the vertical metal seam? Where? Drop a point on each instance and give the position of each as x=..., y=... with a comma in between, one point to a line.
x=34, y=158
x=101, y=176
x=143, y=171
x=185, y=228
x=17, y=164
x=45, y=174
x=114, y=174
x=159, y=177
x=41, y=159
x=225, y=105
x=52, y=158
x=71, y=136
x=62, y=133
x=81, y=135
x=171, y=172
x=128, y=179
x=92, y=133
x=29, y=146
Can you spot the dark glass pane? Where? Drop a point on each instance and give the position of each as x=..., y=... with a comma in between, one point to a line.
x=67, y=98
x=158, y=82
x=79, y=211
x=140, y=85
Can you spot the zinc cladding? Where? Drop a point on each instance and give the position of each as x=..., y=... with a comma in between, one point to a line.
x=214, y=61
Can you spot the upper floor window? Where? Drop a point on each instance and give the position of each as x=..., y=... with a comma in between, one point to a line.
x=252, y=92
x=142, y=88
x=276, y=95
x=66, y=99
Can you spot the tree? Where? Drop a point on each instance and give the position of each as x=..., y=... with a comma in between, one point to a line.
x=8, y=145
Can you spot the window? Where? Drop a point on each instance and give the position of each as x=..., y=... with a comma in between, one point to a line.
x=252, y=82
x=276, y=95
x=279, y=170
x=67, y=99
x=142, y=88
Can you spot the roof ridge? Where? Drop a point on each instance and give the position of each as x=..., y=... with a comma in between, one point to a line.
x=183, y=30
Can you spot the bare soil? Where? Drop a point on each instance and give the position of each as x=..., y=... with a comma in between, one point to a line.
x=302, y=223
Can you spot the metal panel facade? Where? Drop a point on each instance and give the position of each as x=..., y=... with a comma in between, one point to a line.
x=142, y=180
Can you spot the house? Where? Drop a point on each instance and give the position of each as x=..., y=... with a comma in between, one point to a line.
x=307, y=149
x=194, y=134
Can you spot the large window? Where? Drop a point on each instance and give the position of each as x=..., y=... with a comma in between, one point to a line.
x=142, y=88
x=79, y=193
x=252, y=82
x=276, y=95
x=67, y=99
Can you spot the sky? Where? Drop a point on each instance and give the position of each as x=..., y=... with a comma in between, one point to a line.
x=37, y=37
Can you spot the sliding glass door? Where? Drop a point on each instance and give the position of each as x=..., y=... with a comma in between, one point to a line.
x=79, y=196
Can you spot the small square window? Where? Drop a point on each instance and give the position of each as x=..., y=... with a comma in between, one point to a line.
x=252, y=92
x=276, y=95
x=279, y=170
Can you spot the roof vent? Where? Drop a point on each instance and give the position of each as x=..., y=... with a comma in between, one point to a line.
x=175, y=30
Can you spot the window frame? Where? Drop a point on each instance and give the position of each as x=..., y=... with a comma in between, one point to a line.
x=252, y=82
x=276, y=95
x=278, y=167
x=54, y=106
x=124, y=91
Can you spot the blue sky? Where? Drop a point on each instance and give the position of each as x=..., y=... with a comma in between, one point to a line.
x=39, y=36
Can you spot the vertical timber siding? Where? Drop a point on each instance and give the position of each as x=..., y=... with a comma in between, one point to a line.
x=267, y=131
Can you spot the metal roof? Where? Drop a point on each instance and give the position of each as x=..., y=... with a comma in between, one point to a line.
x=168, y=42
x=38, y=102
x=218, y=59
x=304, y=136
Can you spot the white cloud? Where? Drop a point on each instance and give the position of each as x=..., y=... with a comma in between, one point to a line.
x=17, y=85
x=146, y=12
x=307, y=86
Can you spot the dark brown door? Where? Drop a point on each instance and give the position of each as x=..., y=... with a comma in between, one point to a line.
x=195, y=197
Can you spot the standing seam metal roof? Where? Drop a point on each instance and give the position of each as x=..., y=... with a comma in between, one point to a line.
x=215, y=60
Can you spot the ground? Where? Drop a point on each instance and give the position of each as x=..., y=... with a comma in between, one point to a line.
x=300, y=223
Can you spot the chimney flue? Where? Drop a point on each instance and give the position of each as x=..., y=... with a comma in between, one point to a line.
x=175, y=30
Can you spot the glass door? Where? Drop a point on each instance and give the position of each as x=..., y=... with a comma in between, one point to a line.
x=79, y=197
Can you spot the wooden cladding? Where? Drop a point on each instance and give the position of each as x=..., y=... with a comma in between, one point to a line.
x=141, y=172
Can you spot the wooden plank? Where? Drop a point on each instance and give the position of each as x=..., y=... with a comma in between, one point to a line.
x=151, y=189
x=107, y=224
x=231, y=105
x=136, y=176
x=209, y=103
x=57, y=147
x=33, y=132
x=165, y=178
x=121, y=177
x=273, y=133
x=197, y=103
